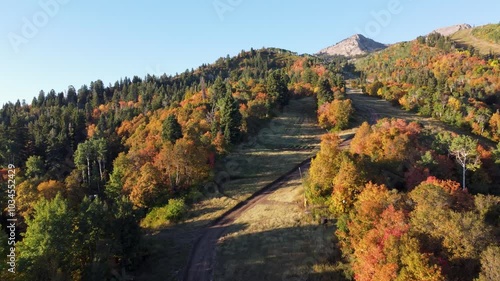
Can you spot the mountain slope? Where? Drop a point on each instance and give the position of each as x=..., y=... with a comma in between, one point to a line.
x=483, y=38
x=355, y=45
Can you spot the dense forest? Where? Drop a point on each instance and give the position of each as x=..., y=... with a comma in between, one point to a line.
x=410, y=202
x=400, y=213
x=435, y=78
x=91, y=163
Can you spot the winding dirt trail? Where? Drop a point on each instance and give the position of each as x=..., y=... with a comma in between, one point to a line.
x=202, y=259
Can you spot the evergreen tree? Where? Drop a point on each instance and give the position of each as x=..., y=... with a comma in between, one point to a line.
x=171, y=130
x=230, y=119
x=93, y=247
x=325, y=93
x=277, y=87
x=218, y=90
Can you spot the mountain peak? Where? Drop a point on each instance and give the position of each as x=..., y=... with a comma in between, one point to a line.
x=358, y=37
x=449, y=30
x=355, y=45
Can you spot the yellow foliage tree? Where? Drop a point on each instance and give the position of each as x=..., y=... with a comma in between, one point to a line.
x=335, y=114
x=324, y=168
x=347, y=184
x=495, y=125
x=49, y=189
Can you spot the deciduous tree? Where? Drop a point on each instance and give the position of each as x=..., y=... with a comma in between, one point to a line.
x=45, y=252
x=464, y=148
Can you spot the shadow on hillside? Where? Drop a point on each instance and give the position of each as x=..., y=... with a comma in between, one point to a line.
x=287, y=254
x=166, y=251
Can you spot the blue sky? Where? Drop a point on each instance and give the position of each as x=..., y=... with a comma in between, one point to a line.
x=72, y=42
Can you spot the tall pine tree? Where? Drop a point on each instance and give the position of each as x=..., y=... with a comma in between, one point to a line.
x=171, y=130
x=325, y=93
x=230, y=118
x=277, y=87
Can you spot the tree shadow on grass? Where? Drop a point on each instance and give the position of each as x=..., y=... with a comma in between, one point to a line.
x=286, y=254
x=167, y=250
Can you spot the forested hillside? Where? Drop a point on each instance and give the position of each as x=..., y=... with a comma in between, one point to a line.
x=412, y=202
x=434, y=78
x=400, y=212
x=489, y=32
x=90, y=163
x=113, y=181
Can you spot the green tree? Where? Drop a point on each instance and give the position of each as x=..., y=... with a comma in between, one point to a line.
x=83, y=157
x=218, y=90
x=93, y=247
x=126, y=233
x=121, y=167
x=325, y=93
x=34, y=167
x=45, y=252
x=277, y=87
x=464, y=148
x=496, y=154
x=230, y=118
x=101, y=150
x=171, y=129
x=89, y=158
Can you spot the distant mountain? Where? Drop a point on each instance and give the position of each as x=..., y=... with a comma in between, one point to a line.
x=355, y=45
x=449, y=30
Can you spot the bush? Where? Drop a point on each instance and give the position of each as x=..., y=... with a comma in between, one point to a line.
x=173, y=212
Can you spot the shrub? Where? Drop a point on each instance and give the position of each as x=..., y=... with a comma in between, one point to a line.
x=173, y=212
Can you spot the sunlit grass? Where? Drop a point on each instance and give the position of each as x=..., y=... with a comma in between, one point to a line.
x=280, y=241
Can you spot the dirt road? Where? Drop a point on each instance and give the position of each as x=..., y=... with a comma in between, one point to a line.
x=202, y=259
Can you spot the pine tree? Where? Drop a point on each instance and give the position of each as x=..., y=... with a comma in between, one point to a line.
x=218, y=90
x=277, y=87
x=231, y=117
x=325, y=93
x=171, y=130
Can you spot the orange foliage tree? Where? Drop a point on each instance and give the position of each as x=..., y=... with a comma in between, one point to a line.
x=335, y=114
x=388, y=140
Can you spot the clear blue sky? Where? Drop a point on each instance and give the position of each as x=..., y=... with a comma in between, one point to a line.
x=82, y=41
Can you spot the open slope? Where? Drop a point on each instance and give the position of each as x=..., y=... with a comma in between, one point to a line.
x=479, y=40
